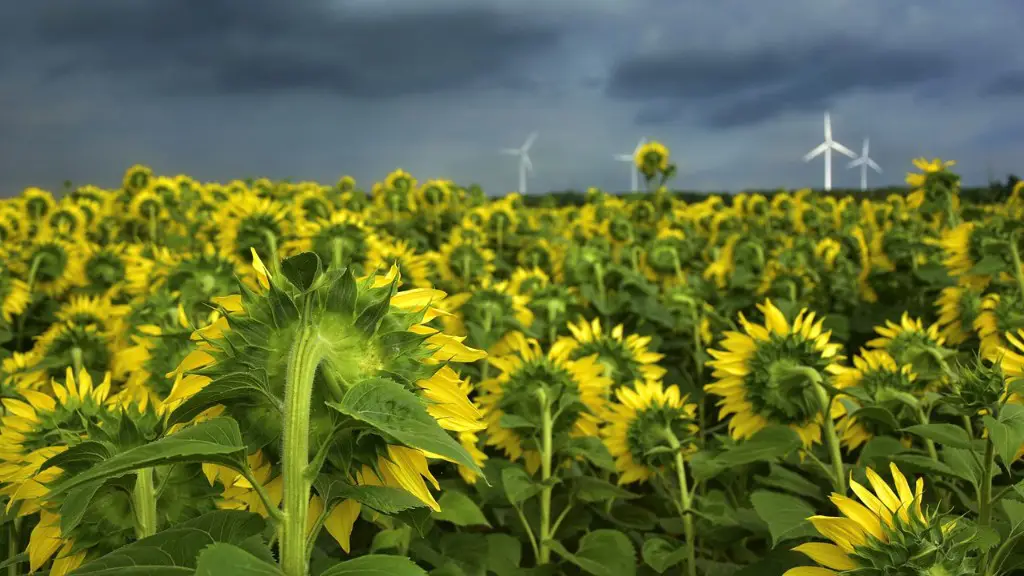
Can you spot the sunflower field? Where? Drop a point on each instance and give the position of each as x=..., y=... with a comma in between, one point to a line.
x=289, y=379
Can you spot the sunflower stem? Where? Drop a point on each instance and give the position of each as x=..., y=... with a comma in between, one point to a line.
x=929, y=443
x=12, y=546
x=685, y=502
x=831, y=437
x=76, y=360
x=546, y=454
x=298, y=394
x=985, y=492
x=275, y=264
x=337, y=253
x=698, y=369
x=144, y=503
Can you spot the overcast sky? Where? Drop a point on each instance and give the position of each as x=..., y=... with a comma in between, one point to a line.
x=313, y=89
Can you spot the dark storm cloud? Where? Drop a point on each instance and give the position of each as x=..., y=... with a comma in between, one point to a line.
x=1006, y=84
x=739, y=88
x=227, y=47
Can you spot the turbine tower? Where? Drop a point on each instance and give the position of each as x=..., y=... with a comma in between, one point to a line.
x=864, y=161
x=524, y=160
x=827, y=147
x=634, y=174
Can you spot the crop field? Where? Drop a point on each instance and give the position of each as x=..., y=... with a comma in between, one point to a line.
x=270, y=378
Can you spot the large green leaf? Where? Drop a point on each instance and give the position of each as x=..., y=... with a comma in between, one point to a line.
x=217, y=440
x=518, y=484
x=225, y=388
x=785, y=515
x=660, y=554
x=376, y=565
x=175, y=551
x=602, y=553
x=460, y=510
x=767, y=445
x=383, y=499
x=220, y=559
x=945, y=434
x=398, y=413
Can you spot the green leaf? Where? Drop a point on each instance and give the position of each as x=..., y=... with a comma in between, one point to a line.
x=767, y=445
x=513, y=422
x=217, y=440
x=504, y=553
x=1006, y=439
x=602, y=553
x=460, y=510
x=879, y=450
x=398, y=413
x=301, y=270
x=518, y=484
x=376, y=565
x=785, y=479
x=1014, y=510
x=785, y=515
x=174, y=552
x=383, y=499
x=879, y=415
x=962, y=464
x=660, y=554
x=222, y=390
x=988, y=265
x=394, y=539
x=341, y=297
x=926, y=464
x=220, y=559
x=76, y=504
x=945, y=434
x=590, y=489
x=593, y=450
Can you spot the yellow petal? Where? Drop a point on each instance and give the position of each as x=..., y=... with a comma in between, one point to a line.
x=341, y=520
x=828, y=555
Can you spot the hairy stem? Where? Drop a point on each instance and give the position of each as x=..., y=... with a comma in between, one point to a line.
x=685, y=503
x=302, y=365
x=546, y=449
x=831, y=439
x=985, y=492
x=144, y=503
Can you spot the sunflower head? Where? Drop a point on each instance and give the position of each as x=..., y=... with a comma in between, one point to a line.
x=463, y=263
x=888, y=532
x=37, y=202
x=642, y=422
x=874, y=380
x=909, y=342
x=531, y=379
x=628, y=360
x=414, y=268
x=981, y=384
x=342, y=237
x=767, y=373
x=249, y=222
x=311, y=205
x=542, y=254
x=527, y=281
x=933, y=185
x=136, y=178
x=434, y=195
x=652, y=159
x=364, y=333
x=488, y=314
x=49, y=265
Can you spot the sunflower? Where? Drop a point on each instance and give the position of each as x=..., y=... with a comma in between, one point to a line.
x=71, y=344
x=395, y=195
x=68, y=220
x=722, y=266
x=636, y=425
x=513, y=392
x=961, y=247
x=252, y=340
x=93, y=310
x=463, y=263
x=958, y=307
x=527, y=281
x=651, y=159
x=876, y=374
x=664, y=257
x=627, y=360
x=887, y=532
x=541, y=253
x=488, y=316
x=249, y=222
x=764, y=374
x=38, y=425
x=999, y=314
x=910, y=342
x=434, y=195
x=155, y=351
x=343, y=237
x=930, y=172
x=37, y=203
x=49, y=265
x=1011, y=356
x=310, y=206
x=384, y=253
x=105, y=268
x=136, y=178
x=14, y=295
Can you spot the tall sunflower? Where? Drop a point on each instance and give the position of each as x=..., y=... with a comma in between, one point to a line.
x=764, y=374
x=877, y=375
x=887, y=532
x=628, y=360
x=513, y=392
x=910, y=342
x=488, y=316
x=958, y=308
x=365, y=333
x=637, y=423
x=249, y=222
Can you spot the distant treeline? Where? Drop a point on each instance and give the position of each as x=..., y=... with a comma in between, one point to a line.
x=996, y=191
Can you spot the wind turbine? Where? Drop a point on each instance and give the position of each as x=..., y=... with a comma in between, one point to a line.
x=631, y=158
x=827, y=147
x=524, y=160
x=864, y=162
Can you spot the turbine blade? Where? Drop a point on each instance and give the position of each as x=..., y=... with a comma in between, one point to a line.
x=874, y=166
x=821, y=148
x=639, y=145
x=842, y=149
x=510, y=151
x=828, y=126
x=529, y=141
x=856, y=162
